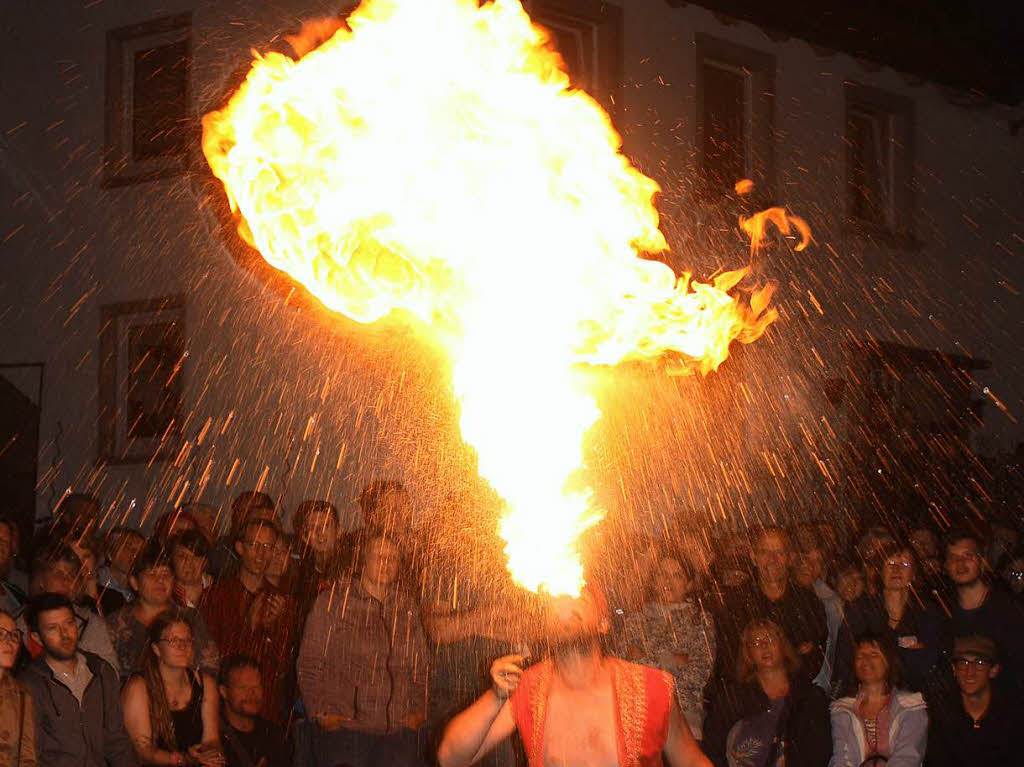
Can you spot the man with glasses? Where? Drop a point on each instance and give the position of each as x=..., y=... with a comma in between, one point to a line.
x=978, y=726
x=247, y=615
x=979, y=608
x=76, y=694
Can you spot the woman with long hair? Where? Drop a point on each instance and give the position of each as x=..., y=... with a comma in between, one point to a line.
x=170, y=708
x=771, y=714
x=675, y=633
x=17, y=725
x=903, y=616
x=879, y=723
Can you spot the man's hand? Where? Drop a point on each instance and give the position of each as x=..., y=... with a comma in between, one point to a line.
x=207, y=755
x=331, y=722
x=273, y=609
x=505, y=675
x=805, y=648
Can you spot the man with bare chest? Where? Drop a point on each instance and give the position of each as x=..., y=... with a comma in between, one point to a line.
x=578, y=707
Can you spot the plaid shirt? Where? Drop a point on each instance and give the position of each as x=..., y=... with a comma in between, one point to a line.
x=363, y=659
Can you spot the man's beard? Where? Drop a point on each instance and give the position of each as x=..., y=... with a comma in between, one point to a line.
x=59, y=653
x=573, y=644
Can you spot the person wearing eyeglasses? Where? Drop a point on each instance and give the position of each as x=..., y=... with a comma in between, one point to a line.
x=17, y=722
x=77, y=710
x=153, y=580
x=878, y=723
x=980, y=608
x=771, y=714
x=248, y=615
x=904, y=615
x=979, y=725
x=172, y=710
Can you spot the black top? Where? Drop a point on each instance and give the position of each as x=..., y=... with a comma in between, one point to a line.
x=956, y=740
x=799, y=613
x=188, y=722
x=805, y=731
x=246, y=749
x=1001, y=618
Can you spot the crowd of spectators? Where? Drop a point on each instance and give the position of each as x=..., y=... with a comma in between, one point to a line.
x=326, y=647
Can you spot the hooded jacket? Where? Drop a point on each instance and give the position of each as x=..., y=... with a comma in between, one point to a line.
x=908, y=732
x=69, y=734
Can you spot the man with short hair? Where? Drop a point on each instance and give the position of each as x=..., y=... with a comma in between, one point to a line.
x=362, y=664
x=76, y=694
x=979, y=608
x=977, y=726
x=773, y=596
x=246, y=614
x=248, y=739
x=578, y=706
x=250, y=504
x=123, y=545
x=56, y=571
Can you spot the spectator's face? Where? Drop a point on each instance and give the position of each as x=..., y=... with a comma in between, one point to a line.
x=808, y=567
x=963, y=562
x=255, y=547
x=10, y=641
x=87, y=571
x=155, y=585
x=244, y=692
x=671, y=584
x=126, y=550
x=898, y=571
x=188, y=568
x=206, y=518
x=176, y=647
x=764, y=649
x=280, y=556
x=382, y=561
x=924, y=543
x=850, y=585
x=869, y=663
x=58, y=633
x=6, y=549
x=60, y=579
x=974, y=674
x=320, y=532
x=1013, y=574
x=771, y=556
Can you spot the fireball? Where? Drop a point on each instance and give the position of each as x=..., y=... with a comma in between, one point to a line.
x=432, y=159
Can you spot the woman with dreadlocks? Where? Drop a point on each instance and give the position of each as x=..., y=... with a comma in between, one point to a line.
x=170, y=708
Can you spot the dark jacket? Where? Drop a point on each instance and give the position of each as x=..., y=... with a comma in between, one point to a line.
x=799, y=613
x=955, y=740
x=806, y=730
x=71, y=735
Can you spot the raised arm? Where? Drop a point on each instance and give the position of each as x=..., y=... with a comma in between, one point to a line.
x=681, y=750
x=476, y=731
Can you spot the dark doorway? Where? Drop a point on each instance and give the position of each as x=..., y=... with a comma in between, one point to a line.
x=20, y=395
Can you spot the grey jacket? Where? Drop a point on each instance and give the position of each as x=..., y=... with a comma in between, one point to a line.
x=71, y=735
x=908, y=732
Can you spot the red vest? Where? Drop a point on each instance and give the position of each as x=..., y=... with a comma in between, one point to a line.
x=643, y=701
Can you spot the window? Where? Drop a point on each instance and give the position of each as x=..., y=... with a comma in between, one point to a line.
x=150, y=132
x=735, y=115
x=879, y=132
x=588, y=35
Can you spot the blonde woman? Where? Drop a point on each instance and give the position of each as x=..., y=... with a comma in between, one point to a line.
x=771, y=714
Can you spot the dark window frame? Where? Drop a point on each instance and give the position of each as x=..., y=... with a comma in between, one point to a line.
x=759, y=111
x=121, y=166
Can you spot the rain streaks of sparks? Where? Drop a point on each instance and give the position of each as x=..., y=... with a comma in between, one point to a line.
x=483, y=195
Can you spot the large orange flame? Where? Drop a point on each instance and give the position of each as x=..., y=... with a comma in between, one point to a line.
x=432, y=157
